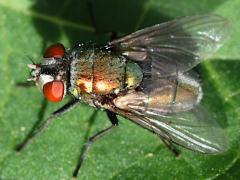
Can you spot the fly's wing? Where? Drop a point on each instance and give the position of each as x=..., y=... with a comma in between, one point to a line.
x=195, y=130
x=174, y=46
x=179, y=120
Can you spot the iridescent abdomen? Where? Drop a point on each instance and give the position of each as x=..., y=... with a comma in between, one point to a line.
x=101, y=72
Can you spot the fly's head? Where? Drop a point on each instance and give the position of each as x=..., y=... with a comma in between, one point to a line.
x=51, y=74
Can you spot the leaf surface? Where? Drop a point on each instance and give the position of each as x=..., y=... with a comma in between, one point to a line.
x=27, y=27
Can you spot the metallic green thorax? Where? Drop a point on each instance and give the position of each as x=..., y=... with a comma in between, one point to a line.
x=94, y=71
x=134, y=75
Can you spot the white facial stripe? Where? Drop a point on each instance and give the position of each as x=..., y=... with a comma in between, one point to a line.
x=47, y=61
x=43, y=79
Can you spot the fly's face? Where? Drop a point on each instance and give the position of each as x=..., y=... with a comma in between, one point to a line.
x=51, y=74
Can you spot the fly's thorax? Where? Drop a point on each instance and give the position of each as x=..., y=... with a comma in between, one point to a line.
x=134, y=75
x=100, y=72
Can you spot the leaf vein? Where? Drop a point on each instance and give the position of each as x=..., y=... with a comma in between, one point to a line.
x=51, y=19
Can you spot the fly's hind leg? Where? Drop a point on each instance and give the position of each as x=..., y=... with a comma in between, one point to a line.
x=45, y=124
x=113, y=118
x=114, y=35
x=94, y=22
x=171, y=147
x=92, y=16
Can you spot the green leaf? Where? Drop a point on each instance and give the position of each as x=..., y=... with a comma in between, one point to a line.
x=27, y=27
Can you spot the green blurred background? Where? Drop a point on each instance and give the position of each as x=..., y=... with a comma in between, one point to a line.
x=27, y=27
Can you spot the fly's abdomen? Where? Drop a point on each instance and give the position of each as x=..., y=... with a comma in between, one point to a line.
x=176, y=96
x=162, y=96
x=100, y=72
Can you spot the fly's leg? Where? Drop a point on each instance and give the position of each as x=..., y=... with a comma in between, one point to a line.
x=171, y=147
x=167, y=142
x=113, y=118
x=94, y=23
x=90, y=9
x=37, y=123
x=45, y=124
x=114, y=36
x=25, y=84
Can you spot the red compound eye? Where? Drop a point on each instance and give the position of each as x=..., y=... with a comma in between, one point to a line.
x=54, y=51
x=54, y=91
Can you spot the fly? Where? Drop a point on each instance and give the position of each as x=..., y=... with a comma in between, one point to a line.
x=145, y=77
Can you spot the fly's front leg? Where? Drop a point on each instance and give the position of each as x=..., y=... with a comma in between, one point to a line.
x=25, y=84
x=113, y=118
x=45, y=124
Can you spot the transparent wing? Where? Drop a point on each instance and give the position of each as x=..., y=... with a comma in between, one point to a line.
x=175, y=46
x=195, y=130
x=170, y=108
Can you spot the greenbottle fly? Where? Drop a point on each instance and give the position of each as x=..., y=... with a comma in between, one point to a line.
x=145, y=77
